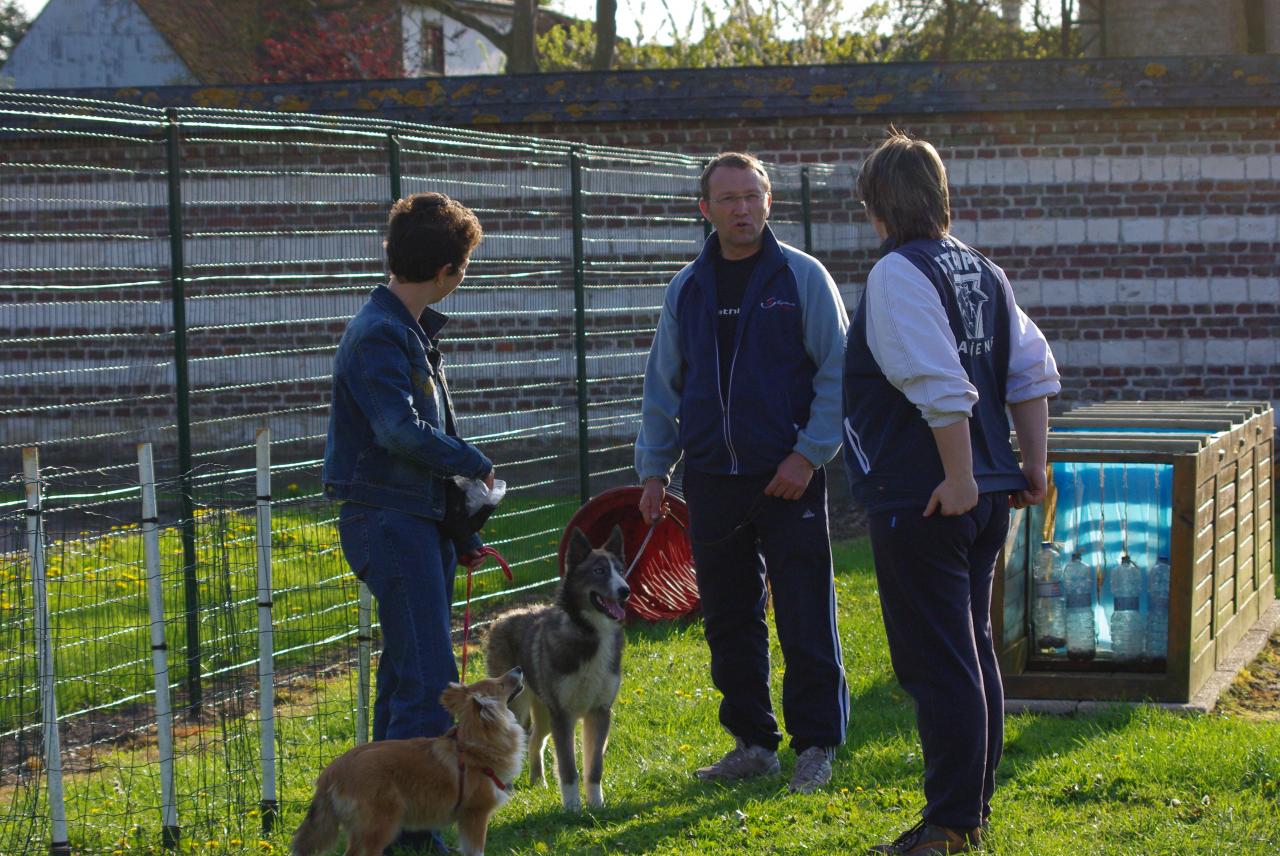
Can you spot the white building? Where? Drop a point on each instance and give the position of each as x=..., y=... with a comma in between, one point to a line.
x=81, y=44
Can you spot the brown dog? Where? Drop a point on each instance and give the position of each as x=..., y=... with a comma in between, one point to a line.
x=375, y=790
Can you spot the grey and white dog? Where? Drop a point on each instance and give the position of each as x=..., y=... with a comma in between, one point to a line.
x=571, y=654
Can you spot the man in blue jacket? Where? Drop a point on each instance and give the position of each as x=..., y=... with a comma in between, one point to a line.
x=391, y=445
x=743, y=379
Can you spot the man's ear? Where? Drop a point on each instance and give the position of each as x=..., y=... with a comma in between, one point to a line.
x=444, y=271
x=704, y=207
x=579, y=547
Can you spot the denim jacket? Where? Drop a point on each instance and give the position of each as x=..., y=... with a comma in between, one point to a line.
x=391, y=442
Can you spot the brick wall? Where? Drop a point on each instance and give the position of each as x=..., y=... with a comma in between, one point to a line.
x=1135, y=205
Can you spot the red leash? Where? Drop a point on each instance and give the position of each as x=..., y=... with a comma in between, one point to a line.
x=466, y=612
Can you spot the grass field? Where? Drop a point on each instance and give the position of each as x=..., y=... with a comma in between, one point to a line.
x=1129, y=781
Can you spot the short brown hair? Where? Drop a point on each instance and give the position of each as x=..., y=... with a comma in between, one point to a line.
x=904, y=184
x=427, y=231
x=737, y=160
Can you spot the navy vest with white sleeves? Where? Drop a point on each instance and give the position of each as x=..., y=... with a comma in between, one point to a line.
x=889, y=449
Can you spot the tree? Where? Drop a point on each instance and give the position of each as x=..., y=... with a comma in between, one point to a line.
x=733, y=33
x=606, y=34
x=949, y=30
x=13, y=26
x=518, y=43
x=306, y=40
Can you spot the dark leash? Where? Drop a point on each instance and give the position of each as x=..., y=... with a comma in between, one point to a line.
x=748, y=518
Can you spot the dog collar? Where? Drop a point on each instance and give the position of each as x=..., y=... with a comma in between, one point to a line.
x=452, y=734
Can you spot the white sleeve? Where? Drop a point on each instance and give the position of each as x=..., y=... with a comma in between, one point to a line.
x=1033, y=372
x=912, y=342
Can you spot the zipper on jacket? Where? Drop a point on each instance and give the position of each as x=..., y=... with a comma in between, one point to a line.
x=724, y=405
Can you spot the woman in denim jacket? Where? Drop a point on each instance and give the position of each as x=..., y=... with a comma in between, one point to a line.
x=390, y=447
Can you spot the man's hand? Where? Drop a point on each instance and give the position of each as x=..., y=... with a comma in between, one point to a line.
x=471, y=560
x=651, y=508
x=953, y=497
x=792, y=477
x=1034, y=495
x=488, y=480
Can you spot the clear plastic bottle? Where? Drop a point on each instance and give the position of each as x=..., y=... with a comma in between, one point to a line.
x=1157, y=643
x=1079, y=581
x=1126, y=619
x=1049, y=617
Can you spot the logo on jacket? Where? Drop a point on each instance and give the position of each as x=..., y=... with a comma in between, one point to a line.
x=970, y=297
x=776, y=303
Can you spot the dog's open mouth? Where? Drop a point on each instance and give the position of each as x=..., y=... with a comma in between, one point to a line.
x=611, y=608
x=515, y=692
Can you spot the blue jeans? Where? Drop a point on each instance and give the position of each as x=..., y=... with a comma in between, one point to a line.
x=410, y=569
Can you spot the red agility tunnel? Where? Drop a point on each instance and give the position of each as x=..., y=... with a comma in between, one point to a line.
x=662, y=583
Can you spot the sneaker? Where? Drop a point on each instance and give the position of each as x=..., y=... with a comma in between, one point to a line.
x=742, y=762
x=925, y=839
x=813, y=770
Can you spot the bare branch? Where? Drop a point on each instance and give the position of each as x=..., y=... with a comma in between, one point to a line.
x=501, y=40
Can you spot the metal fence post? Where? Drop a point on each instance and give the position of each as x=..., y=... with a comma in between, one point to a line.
x=806, y=209
x=170, y=832
x=182, y=383
x=393, y=165
x=58, y=842
x=580, y=322
x=266, y=635
x=364, y=647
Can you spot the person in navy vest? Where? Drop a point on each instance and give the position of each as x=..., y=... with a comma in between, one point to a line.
x=743, y=380
x=939, y=356
x=390, y=447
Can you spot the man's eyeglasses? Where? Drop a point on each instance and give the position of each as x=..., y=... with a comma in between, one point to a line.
x=732, y=199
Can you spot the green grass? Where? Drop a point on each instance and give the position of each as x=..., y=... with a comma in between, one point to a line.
x=1128, y=781
x=98, y=598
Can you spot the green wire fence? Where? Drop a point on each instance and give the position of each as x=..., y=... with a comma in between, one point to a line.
x=181, y=278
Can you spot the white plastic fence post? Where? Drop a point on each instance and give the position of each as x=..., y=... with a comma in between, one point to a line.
x=170, y=832
x=266, y=638
x=58, y=842
x=364, y=642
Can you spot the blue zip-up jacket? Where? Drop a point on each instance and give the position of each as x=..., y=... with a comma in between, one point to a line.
x=937, y=337
x=390, y=440
x=783, y=388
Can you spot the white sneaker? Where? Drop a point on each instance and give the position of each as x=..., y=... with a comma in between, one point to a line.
x=742, y=762
x=813, y=770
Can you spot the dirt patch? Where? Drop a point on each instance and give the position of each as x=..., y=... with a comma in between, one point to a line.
x=1255, y=693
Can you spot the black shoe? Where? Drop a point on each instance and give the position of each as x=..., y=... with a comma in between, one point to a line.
x=925, y=839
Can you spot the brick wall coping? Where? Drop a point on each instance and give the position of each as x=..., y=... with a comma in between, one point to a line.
x=888, y=89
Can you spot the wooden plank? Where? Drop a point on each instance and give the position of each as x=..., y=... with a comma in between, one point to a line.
x=1182, y=572
x=1263, y=499
x=1228, y=635
x=1115, y=456
x=1201, y=667
x=1123, y=442
x=1202, y=617
x=1127, y=686
x=1208, y=423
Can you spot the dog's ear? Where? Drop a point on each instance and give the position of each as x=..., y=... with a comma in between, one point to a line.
x=486, y=708
x=614, y=544
x=579, y=547
x=453, y=697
